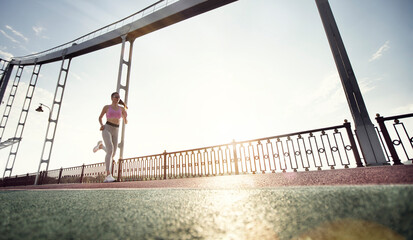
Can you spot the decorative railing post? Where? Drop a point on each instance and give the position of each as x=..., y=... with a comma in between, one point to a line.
x=113, y=166
x=60, y=175
x=83, y=172
x=347, y=125
x=234, y=146
x=164, y=165
x=387, y=139
x=40, y=178
x=5, y=182
x=120, y=170
x=27, y=179
x=44, y=177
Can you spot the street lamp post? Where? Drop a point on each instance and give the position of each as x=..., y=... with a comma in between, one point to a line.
x=40, y=109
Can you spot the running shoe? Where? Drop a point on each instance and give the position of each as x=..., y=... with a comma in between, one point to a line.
x=98, y=146
x=109, y=178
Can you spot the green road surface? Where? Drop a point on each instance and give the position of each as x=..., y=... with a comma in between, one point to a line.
x=264, y=213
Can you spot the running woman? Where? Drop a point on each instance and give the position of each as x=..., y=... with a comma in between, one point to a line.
x=110, y=131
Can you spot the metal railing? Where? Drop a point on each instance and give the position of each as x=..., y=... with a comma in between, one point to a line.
x=91, y=173
x=396, y=141
x=113, y=26
x=18, y=180
x=318, y=149
x=3, y=65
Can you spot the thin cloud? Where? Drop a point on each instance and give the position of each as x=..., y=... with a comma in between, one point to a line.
x=76, y=76
x=367, y=85
x=17, y=33
x=9, y=37
x=39, y=30
x=330, y=88
x=404, y=109
x=327, y=96
x=380, y=52
x=5, y=55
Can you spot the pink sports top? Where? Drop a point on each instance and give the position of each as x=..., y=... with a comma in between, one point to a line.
x=112, y=113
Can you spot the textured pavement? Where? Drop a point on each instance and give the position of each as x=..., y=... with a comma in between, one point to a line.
x=286, y=213
x=363, y=203
x=353, y=176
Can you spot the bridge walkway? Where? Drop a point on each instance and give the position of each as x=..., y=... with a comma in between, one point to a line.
x=383, y=175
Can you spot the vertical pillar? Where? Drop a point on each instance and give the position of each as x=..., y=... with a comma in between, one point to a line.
x=3, y=66
x=22, y=120
x=120, y=166
x=54, y=116
x=82, y=174
x=234, y=149
x=10, y=101
x=164, y=164
x=60, y=175
x=387, y=139
x=4, y=79
x=3, y=63
x=366, y=134
x=124, y=86
x=27, y=179
x=356, y=154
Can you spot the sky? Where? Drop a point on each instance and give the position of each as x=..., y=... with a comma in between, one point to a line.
x=247, y=70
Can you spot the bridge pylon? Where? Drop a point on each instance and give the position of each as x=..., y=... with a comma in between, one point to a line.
x=22, y=120
x=123, y=83
x=54, y=116
x=5, y=72
x=366, y=134
x=10, y=100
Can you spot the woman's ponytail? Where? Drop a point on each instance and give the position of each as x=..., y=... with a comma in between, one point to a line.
x=122, y=103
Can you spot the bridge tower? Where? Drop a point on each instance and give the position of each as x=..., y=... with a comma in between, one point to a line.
x=12, y=95
x=123, y=83
x=5, y=71
x=54, y=115
x=366, y=134
x=22, y=120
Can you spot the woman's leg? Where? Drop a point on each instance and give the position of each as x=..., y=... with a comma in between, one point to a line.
x=107, y=138
x=114, y=140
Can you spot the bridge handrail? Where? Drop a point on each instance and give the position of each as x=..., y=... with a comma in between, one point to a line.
x=409, y=115
x=245, y=141
x=77, y=173
x=95, y=172
x=391, y=141
x=155, y=6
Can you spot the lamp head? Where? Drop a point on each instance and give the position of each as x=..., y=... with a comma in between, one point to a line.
x=39, y=109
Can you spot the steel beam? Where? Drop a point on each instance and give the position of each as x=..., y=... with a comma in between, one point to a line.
x=161, y=14
x=10, y=100
x=22, y=120
x=54, y=116
x=123, y=86
x=366, y=134
x=4, y=79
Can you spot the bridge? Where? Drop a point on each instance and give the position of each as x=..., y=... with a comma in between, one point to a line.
x=239, y=155
x=154, y=17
